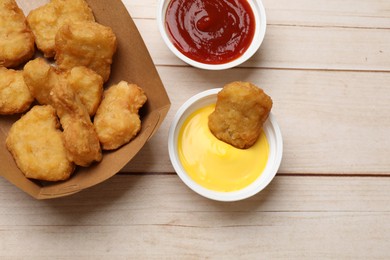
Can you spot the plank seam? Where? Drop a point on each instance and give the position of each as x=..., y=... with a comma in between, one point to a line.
x=330, y=26
x=376, y=175
x=296, y=68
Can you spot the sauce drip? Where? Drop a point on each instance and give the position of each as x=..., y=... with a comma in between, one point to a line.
x=210, y=31
x=214, y=164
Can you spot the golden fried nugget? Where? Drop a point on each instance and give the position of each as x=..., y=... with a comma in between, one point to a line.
x=41, y=78
x=47, y=19
x=15, y=97
x=240, y=112
x=117, y=121
x=79, y=135
x=35, y=142
x=88, y=85
x=86, y=44
x=16, y=38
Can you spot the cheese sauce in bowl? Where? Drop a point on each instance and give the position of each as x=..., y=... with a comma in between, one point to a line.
x=213, y=163
x=215, y=169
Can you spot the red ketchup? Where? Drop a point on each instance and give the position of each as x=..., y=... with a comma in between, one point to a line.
x=210, y=31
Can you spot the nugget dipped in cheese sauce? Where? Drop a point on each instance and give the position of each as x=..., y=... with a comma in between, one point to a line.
x=240, y=112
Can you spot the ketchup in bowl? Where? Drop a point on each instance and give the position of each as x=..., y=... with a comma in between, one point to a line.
x=210, y=31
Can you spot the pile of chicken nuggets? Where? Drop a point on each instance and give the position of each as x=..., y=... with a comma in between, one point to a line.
x=69, y=116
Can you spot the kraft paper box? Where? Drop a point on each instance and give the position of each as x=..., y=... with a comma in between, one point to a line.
x=132, y=62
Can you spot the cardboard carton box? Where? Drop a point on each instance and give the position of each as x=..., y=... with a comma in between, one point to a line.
x=132, y=62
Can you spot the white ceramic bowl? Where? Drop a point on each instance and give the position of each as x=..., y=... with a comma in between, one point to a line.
x=272, y=133
x=260, y=28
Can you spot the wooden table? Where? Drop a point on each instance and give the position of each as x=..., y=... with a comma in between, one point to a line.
x=326, y=64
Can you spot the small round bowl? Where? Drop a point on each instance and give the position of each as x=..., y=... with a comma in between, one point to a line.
x=260, y=28
x=272, y=132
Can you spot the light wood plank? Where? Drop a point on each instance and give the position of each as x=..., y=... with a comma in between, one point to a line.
x=332, y=122
x=298, y=47
x=158, y=217
x=330, y=13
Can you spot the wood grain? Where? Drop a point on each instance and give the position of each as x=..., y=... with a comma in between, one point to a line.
x=144, y=216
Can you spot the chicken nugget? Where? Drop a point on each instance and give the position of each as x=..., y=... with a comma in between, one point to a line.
x=41, y=78
x=88, y=85
x=240, y=112
x=35, y=142
x=79, y=135
x=16, y=38
x=117, y=120
x=47, y=19
x=86, y=44
x=15, y=97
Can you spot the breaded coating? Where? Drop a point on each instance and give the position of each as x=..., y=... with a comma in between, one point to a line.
x=47, y=19
x=35, y=142
x=86, y=44
x=240, y=112
x=15, y=97
x=41, y=78
x=117, y=120
x=16, y=38
x=88, y=85
x=79, y=135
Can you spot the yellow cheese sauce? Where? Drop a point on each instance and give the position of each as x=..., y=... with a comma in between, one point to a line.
x=215, y=164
